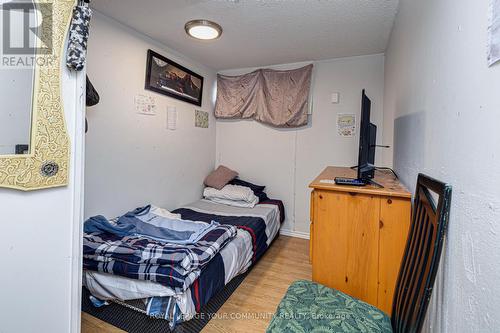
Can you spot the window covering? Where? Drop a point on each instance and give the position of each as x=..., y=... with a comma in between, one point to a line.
x=275, y=97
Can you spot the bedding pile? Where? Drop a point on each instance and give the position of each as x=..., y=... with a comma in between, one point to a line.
x=232, y=195
x=165, y=291
x=155, y=253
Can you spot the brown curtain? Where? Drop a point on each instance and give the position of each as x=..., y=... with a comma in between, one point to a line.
x=277, y=98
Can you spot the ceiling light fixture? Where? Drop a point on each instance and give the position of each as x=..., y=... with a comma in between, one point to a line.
x=203, y=29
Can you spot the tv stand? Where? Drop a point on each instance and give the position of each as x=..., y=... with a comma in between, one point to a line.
x=358, y=235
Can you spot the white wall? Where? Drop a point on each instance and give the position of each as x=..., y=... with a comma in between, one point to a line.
x=442, y=100
x=133, y=159
x=40, y=241
x=287, y=160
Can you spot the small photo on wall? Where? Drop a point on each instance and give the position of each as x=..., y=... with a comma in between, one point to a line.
x=200, y=119
x=171, y=79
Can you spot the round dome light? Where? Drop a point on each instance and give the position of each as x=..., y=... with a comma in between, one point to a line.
x=203, y=29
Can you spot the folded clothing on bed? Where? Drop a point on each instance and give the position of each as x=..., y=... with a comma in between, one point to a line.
x=101, y=224
x=258, y=190
x=160, y=229
x=232, y=195
x=145, y=222
x=144, y=258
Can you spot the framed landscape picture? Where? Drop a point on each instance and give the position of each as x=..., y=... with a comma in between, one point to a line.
x=171, y=79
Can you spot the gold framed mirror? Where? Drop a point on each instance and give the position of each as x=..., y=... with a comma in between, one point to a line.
x=42, y=160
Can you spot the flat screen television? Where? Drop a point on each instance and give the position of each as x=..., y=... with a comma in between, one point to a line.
x=367, y=142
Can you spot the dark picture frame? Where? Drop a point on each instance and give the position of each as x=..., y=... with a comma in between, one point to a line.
x=167, y=77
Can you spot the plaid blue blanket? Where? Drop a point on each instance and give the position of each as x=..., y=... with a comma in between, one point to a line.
x=173, y=265
x=260, y=224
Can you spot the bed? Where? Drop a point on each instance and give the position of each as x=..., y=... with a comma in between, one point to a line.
x=256, y=229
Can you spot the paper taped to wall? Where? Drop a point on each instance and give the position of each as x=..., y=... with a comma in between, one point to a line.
x=494, y=33
x=145, y=105
x=346, y=125
x=171, y=118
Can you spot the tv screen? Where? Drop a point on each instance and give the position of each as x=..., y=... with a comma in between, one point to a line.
x=367, y=137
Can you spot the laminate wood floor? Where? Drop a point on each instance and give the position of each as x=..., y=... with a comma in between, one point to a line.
x=250, y=307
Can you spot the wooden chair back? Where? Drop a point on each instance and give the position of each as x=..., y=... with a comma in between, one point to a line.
x=422, y=254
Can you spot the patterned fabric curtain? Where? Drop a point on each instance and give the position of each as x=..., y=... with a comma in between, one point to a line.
x=277, y=98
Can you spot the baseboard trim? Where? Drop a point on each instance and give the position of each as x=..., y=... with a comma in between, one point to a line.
x=296, y=234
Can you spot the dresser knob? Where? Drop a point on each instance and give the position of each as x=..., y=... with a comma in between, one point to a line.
x=320, y=196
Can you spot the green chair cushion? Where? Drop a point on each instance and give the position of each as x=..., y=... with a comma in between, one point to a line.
x=310, y=307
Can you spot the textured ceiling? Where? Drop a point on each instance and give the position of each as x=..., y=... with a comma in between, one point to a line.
x=262, y=32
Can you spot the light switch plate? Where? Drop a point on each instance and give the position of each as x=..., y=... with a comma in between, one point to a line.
x=335, y=98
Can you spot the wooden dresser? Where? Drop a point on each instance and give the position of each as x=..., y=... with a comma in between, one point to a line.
x=358, y=235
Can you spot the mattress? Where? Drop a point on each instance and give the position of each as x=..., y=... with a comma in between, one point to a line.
x=252, y=240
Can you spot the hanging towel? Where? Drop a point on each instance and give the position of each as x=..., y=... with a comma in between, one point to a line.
x=78, y=37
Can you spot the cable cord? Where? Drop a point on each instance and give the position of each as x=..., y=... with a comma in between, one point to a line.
x=381, y=168
x=390, y=169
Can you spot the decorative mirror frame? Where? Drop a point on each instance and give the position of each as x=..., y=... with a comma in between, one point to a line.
x=47, y=164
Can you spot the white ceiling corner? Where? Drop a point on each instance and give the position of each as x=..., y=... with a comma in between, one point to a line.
x=262, y=32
